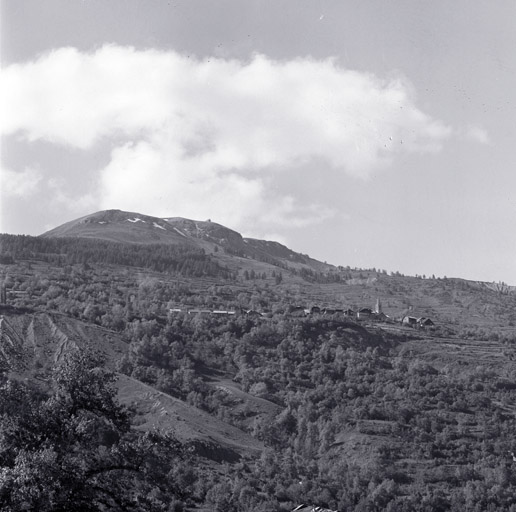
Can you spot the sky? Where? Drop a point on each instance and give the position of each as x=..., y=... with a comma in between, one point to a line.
x=368, y=133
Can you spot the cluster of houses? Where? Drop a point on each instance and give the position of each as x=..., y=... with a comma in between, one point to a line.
x=418, y=323
x=316, y=310
x=364, y=313
x=216, y=312
x=360, y=314
x=292, y=311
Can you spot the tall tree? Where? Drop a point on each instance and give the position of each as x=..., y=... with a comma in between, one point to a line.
x=74, y=449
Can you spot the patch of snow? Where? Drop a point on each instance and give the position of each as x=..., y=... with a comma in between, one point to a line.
x=136, y=219
x=158, y=226
x=246, y=242
x=102, y=222
x=180, y=232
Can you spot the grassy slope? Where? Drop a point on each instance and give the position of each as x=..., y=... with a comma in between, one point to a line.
x=31, y=343
x=156, y=409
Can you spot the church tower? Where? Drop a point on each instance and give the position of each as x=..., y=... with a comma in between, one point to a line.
x=378, y=307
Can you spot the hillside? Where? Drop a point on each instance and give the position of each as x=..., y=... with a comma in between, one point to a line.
x=464, y=306
x=32, y=343
x=213, y=238
x=275, y=408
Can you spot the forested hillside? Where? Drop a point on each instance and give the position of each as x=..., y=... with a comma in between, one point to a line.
x=133, y=403
x=180, y=259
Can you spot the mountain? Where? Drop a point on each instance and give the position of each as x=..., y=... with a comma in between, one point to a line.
x=136, y=228
x=119, y=226
x=207, y=333
x=207, y=255
x=459, y=304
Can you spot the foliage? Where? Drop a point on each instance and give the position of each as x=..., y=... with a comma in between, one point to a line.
x=73, y=449
x=333, y=379
x=364, y=423
x=68, y=251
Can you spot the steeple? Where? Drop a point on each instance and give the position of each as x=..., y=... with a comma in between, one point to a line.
x=378, y=307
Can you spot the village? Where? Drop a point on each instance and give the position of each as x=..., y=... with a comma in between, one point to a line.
x=360, y=314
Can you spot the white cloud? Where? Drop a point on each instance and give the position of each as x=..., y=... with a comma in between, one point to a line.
x=228, y=197
x=19, y=184
x=73, y=202
x=477, y=134
x=206, y=138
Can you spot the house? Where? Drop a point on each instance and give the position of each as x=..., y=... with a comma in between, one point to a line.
x=253, y=312
x=329, y=311
x=364, y=313
x=297, y=311
x=424, y=322
x=314, y=310
x=349, y=312
x=409, y=320
x=175, y=310
x=199, y=311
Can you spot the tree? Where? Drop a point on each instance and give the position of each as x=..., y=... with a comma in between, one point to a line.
x=74, y=449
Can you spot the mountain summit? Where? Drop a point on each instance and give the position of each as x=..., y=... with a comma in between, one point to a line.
x=136, y=228
x=120, y=226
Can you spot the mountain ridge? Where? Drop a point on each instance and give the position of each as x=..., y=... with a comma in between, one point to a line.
x=136, y=228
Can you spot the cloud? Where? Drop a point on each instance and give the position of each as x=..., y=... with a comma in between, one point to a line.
x=75, y=203
x=21, y=184
x=206, y=138
x=477, y=134
x=197, y=191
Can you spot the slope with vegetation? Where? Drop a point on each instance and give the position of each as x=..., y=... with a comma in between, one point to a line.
x=247, y=413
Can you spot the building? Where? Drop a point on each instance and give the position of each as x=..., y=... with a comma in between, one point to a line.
x=364, y=313
x=199, y=311
x=409, y=320
x=297, y=311
x=253, y=312
x=425, y=322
